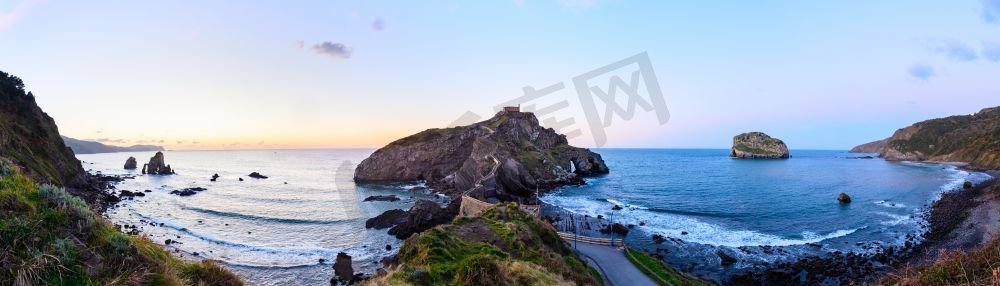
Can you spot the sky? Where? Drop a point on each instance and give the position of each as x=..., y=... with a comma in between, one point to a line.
x=319, y=74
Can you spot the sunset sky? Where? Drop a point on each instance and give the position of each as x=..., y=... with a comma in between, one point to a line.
x=311, y=74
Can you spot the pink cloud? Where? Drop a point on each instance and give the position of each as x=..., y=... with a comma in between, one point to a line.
x=9, y=17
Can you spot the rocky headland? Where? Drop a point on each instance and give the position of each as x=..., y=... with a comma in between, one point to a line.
x=505, y=158
x=876, y=146
x=972, y=139
x=91, y=147
x=757, y=145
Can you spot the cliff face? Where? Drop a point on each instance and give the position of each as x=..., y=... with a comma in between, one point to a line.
x=974, y=139
x=871, y=147
x=90, y=147
x=30, y=138
x=753, y=145
x=509, y=155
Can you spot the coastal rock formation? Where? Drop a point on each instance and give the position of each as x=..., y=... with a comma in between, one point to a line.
x=871, y=147
x=343, y=271
x=131, y=164
x=256, y=175
x=973, y=139
x=157, y=166
x=753, y=145
x=424, y=215
x=506, y=157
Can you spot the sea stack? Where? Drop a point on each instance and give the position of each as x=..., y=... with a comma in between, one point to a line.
x=131, y=164
x=157, y=166
x=757, y=145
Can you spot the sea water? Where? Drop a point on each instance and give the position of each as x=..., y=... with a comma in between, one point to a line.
x=760, y=211
x=288, y=229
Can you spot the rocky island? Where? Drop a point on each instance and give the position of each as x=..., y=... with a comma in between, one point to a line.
x=757, y=145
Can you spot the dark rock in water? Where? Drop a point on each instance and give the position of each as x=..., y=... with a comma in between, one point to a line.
x=844, y=198
x=424, y=215
x=657, y=238
x=684, y=233
x=187, y=191
x=256, y=175
x=757, y=145
x=241, y=179
x=215, y=177
x=388, y=247
x=387, y=219
x=157, y=166
x=125, y=193
x=343, y=271
x=726, y=258
x=131, y=164
x=616, y=228
x=389, y=198
x=967, y=185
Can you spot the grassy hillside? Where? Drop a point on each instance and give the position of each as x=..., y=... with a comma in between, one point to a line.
x=49, y=237
x=967, y=138
x=505, y=246
x=30, y=137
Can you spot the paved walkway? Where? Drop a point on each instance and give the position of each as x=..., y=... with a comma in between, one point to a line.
x=613, y=264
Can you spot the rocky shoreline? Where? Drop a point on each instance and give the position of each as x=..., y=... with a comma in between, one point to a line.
x=945, y=232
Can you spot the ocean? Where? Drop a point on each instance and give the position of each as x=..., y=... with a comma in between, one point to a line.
x=287, y=229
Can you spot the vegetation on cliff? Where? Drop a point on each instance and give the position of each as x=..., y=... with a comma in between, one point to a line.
x=974, y=139
x=50, y=237
x=50, y=233
x=30, y=137
x=505, y=246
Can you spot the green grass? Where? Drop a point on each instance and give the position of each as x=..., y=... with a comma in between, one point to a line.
x=661, y=273
x=505, y=246
x=49, y=237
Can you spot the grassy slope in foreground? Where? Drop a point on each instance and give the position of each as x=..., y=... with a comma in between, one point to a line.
x=661, y=273
x=49, y=237
x=505, y=246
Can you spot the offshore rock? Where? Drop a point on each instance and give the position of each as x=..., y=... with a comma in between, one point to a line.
x=757, y=145
x=131, y=164
x=157, y=166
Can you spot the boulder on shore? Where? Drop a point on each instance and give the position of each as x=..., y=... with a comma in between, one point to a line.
x=131, y=164
x=157, y=166
x=424, y=215
x=757, y=145
x=844, y=198
x=387, y=219
x=342, y=269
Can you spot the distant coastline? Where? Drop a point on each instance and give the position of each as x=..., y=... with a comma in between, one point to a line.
x=91, y=147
